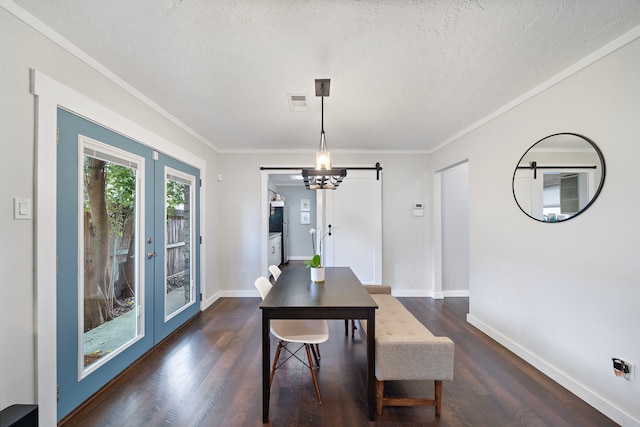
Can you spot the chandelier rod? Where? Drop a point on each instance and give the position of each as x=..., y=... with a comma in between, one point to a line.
x=322, y=111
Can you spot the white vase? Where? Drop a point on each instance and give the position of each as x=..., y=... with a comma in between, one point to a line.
x=317, y=274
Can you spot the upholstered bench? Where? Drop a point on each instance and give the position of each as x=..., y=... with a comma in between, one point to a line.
x=406, y=350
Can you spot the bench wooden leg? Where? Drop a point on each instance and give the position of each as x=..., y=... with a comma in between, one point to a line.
x=379, y=396
x=408, y=401
x=438, y=394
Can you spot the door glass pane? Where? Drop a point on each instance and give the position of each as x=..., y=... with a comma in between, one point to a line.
x=179, y=292
x=109, y=220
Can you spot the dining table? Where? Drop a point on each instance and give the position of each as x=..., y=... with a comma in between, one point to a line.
x=340, y=296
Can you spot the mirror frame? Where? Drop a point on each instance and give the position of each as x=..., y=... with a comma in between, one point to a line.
x=595, y=195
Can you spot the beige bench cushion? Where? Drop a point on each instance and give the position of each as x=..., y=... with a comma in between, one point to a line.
x=405, y=348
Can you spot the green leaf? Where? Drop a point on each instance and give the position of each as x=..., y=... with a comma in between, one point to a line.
x=314, y=262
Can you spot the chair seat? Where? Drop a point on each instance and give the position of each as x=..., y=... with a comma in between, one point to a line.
x=310, y=331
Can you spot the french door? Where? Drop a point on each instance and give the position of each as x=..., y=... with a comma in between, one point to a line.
x=128, y=253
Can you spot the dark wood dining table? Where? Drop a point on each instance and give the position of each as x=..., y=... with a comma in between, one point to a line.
x=341, y=296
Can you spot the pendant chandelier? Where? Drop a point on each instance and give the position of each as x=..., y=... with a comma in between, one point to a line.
x=323, y=177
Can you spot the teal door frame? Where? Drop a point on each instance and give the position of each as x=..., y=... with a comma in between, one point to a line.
x=74, y=384
x=49, y=94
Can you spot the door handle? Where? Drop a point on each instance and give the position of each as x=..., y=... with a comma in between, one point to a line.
x=151, y=255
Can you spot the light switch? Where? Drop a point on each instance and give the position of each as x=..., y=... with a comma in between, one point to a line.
x=21, y=208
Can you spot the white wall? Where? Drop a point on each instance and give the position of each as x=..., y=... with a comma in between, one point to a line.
x=16, y=252
x=405, y=237
x=564, y=296
x=22, y=49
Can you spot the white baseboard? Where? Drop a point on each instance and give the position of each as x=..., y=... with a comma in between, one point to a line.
x=599, y=403
x=456, y=294
x=398, y=293
x=209, y=302
x=429, y=294
x=228, y=294
x=410, y=293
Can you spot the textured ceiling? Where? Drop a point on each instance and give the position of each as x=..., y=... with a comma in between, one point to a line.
x=405, y=75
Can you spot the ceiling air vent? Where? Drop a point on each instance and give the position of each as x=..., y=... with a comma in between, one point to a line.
x=298, y=102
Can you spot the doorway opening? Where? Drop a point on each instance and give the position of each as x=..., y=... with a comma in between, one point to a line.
x=357, y=240
x=450, y=257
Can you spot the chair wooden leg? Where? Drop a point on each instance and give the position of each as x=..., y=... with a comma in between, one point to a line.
x=313, y=373
x=275, y=362
x=438, y=393
x=315, y=349
x=379, y=396
x=315, y=356
x=346, y=327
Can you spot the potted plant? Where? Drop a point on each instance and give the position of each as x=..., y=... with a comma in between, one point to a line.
x=315, y=263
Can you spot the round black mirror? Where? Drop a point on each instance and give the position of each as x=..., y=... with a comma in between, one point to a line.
x=559, y=177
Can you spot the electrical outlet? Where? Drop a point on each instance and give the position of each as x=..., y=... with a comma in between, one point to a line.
x=624, y=369
x=631, y=376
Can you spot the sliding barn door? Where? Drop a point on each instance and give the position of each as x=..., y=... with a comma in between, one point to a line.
x=354, y=211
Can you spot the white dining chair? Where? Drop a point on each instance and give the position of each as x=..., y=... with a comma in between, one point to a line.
x=308, y=332
x=275, y=271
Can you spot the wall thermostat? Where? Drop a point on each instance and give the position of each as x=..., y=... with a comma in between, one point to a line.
x=418, y=209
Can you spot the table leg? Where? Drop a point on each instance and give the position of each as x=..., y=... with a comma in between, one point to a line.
x=371, y=364
x=266, y=356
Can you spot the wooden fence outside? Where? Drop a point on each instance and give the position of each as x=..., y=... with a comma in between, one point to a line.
x=177, y=254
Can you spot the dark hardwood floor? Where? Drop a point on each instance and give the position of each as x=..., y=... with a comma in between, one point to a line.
x=209, y=374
